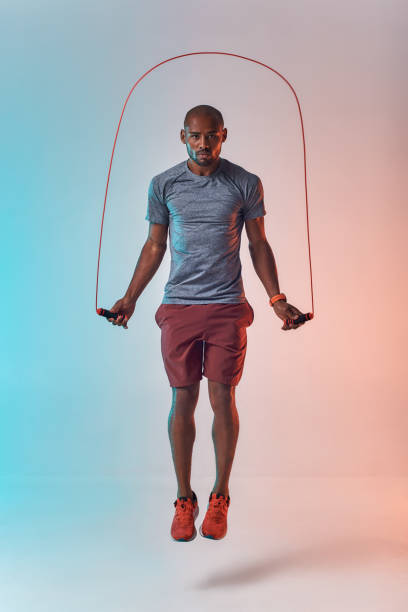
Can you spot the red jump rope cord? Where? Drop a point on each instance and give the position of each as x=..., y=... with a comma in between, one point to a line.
x=120, y=120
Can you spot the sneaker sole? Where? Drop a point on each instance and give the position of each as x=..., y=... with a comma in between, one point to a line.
x=196, y=511
x=209, y=537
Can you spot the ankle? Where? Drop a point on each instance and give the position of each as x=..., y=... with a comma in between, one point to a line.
x=185, y=493
x=221, y=491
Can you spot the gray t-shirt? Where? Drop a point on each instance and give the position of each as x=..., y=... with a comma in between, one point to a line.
x=205, y=215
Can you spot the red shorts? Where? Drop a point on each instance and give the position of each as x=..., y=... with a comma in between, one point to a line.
x=209, y=335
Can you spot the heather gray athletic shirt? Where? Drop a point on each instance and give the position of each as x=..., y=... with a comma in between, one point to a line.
x=205, y=215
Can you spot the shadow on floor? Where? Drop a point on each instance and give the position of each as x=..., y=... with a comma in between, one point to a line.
x=330, y=555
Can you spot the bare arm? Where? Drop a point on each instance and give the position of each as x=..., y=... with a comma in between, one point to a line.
x=149, y=260
x=265, y=267
x=262, y=255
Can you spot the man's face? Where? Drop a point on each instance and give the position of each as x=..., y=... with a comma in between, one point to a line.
x=203, y=135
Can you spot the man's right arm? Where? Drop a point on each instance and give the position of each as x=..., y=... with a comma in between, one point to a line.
x=149, y=260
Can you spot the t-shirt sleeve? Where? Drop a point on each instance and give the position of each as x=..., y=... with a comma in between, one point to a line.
x=254, y=199
x=157, y=211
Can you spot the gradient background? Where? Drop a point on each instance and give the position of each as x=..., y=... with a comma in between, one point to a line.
x=319, y=486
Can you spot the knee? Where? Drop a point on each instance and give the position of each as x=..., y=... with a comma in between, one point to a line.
x=222, y=396
x=185, y=398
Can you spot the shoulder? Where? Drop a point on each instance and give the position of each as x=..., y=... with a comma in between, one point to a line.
x=161, y=182
x=169, y=174
x=240, y=174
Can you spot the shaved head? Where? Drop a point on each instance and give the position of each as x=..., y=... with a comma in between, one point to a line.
x=203, y=135
x=204, y=109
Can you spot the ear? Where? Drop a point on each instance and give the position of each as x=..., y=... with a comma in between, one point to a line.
x=183, y=136
x=224, y=137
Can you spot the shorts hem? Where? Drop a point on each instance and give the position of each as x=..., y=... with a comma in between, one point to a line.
x=228, y=380
x=185, y=384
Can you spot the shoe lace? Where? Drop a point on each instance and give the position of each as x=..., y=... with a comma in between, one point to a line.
x=218, y=508
x=184, y=510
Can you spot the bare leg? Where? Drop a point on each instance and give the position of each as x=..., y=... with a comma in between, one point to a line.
x=225, y=431
x=181, y=428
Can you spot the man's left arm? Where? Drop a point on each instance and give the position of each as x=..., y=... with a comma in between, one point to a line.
x=265, y=266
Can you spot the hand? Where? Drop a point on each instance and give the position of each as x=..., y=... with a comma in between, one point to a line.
x=287, y=311
x=126, y=308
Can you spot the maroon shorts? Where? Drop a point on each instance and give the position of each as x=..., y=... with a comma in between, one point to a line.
x=207, y=339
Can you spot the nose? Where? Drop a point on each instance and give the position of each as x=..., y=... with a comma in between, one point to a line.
x=203, y=144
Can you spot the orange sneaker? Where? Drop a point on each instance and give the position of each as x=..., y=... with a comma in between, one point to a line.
x=214, y=525
x=182, y=527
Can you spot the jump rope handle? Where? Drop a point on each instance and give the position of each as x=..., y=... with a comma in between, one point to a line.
x=107, y=313
x=301, y=319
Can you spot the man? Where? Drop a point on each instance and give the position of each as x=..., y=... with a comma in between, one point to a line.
x=205, y=201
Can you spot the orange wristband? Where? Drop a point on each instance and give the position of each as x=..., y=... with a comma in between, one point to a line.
x=275, y=298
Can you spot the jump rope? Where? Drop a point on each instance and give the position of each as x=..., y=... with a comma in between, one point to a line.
x=301, y=318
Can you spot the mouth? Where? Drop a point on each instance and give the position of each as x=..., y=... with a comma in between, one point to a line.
x=203, y=155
